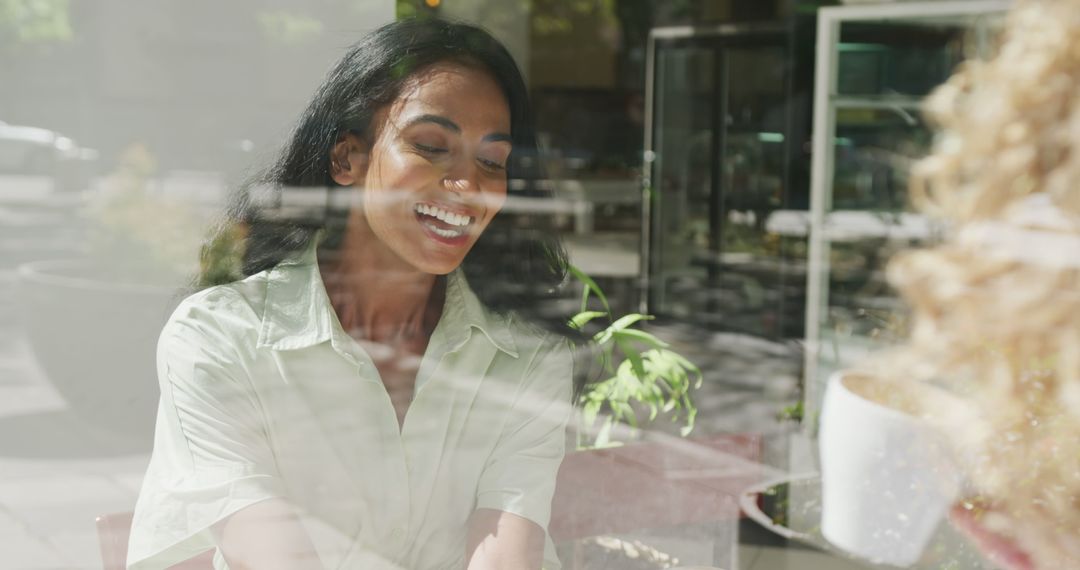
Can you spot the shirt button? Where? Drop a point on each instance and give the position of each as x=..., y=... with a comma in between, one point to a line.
x=397, y=532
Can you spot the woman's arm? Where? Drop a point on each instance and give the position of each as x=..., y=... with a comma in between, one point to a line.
x=267, y=535
x=507, y=528
x=498, y=540
x=213, y=479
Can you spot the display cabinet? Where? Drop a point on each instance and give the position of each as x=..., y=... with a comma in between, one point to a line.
x=875, y=63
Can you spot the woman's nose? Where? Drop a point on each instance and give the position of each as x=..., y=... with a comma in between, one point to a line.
x=457, y=184
x=462, y=177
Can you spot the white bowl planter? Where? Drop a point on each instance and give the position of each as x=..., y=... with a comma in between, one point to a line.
x=96, y=337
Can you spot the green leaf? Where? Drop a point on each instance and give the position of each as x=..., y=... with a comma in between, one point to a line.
x=600, y=390
x=581, y=319
x=624, y=374
x=793, y=412
x=604, y=436
x=589, y=412
x=605, y=359
x=624, y=412
x=632, y=356
x=627, y=320
x=691, y=415
x=657, y=393
x=623, y=322
x=641, y=336
x=590, y=286
x=619, y=387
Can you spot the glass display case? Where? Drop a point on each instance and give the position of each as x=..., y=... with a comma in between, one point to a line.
x=874, y=65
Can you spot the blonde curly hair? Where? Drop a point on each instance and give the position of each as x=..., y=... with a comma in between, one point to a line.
x=996, y=306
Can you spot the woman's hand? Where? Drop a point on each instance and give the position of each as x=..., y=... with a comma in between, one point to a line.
x=498, y=540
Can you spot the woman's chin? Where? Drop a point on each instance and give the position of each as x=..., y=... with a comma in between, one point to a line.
x=437, y=263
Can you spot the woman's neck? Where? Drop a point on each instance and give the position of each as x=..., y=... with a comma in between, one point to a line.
x=376, y=295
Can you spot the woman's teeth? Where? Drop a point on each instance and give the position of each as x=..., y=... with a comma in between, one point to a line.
x=446, y=233
x=449, y=218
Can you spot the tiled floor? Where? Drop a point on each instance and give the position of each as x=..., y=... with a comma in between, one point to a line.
x=56, y=473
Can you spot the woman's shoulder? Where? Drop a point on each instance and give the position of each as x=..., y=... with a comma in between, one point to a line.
x=540, y=351
x=243, y=298
x=534, y=339
x=229, y=310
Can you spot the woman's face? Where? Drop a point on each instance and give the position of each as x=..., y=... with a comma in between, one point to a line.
x=434, y=175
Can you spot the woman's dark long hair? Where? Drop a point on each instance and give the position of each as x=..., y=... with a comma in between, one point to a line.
x=518, y=261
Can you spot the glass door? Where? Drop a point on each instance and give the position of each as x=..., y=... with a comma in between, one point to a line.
x=717, y=172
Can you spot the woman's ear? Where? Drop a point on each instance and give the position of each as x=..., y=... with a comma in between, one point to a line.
x=349, y=160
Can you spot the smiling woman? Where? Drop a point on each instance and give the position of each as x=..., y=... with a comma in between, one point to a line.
x=378, y=389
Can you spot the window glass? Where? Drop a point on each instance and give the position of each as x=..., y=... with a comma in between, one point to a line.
x=735, y=284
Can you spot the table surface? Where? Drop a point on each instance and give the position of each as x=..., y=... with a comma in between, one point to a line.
x=791, y=508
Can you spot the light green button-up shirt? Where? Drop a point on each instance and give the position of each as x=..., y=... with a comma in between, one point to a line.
x=264, y=395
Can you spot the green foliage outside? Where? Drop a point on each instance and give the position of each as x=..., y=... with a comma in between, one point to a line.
x=136, y=234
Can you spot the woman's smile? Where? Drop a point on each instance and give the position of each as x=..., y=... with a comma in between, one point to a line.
x=447, y=224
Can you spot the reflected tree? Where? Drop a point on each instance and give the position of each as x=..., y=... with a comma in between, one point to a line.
x=35, y=22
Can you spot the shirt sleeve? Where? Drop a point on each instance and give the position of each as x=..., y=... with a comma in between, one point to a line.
x=211, y=456
x=519, y=477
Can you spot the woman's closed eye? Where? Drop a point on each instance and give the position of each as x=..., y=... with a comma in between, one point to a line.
x=494, y=157
x=493, y=165
x=430, y=149
x=489, y=160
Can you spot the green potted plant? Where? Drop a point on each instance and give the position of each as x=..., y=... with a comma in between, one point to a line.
x=640, y=372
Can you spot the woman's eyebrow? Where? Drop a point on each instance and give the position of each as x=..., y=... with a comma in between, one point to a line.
x=437, y=119
x=453, y=127
x=498, y=137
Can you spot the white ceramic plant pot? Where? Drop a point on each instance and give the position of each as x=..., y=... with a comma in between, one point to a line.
x=888, y=476
x=96, y=338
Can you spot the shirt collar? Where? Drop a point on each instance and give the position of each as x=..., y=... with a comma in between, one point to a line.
x=298, y=313
x=462, y=307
